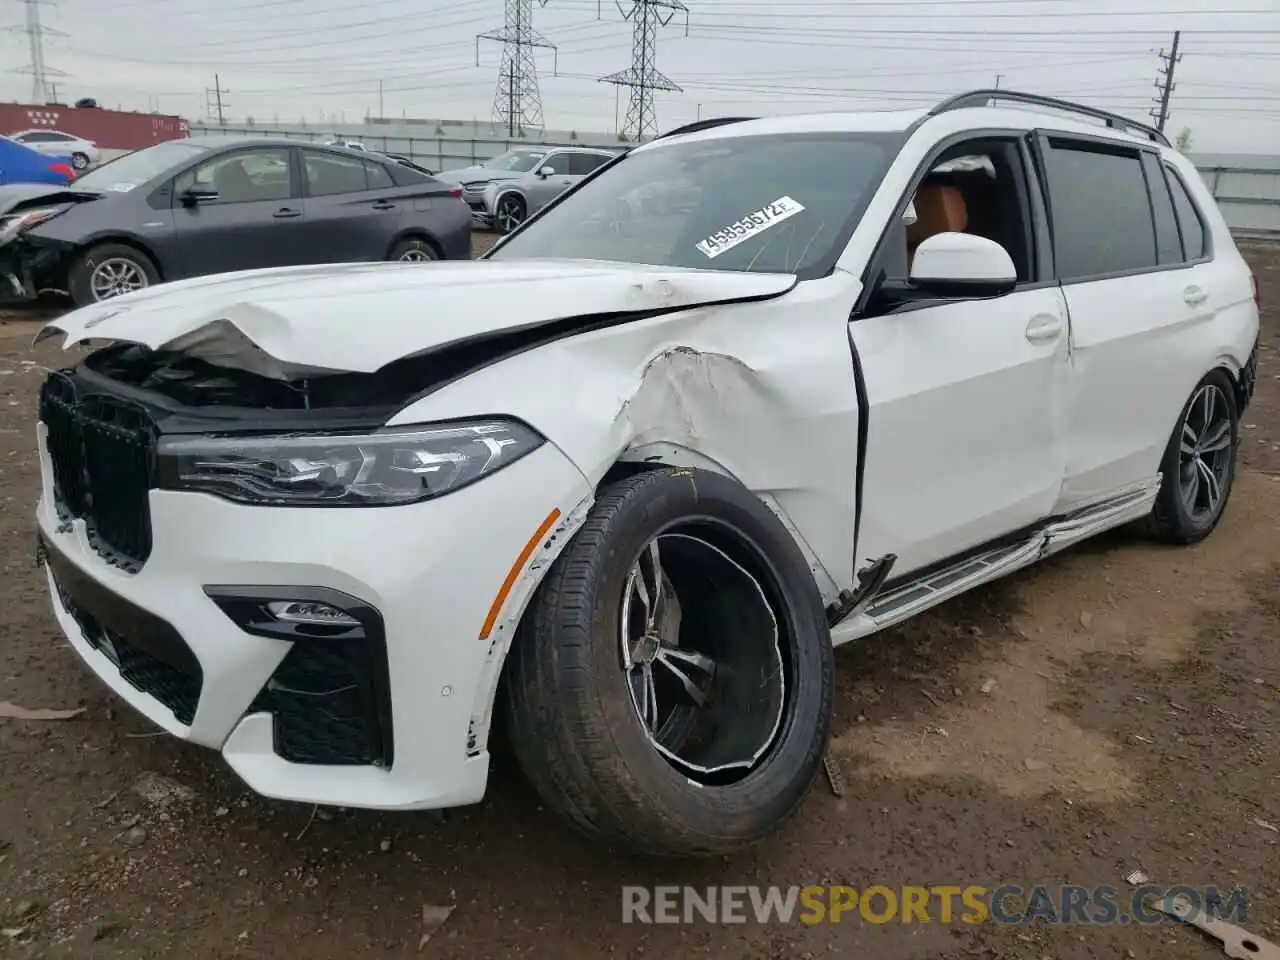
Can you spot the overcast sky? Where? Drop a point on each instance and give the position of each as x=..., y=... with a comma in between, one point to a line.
x=324, y=58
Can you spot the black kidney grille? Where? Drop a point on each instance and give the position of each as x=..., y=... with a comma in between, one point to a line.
x=102, y=449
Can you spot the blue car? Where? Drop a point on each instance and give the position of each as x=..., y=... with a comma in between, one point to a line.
x=20, y=164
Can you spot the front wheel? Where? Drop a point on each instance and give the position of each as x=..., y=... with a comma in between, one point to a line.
x=1199, y=464
x=670, y=688
x=510, y=212
x=109, y=270
x=80, y=160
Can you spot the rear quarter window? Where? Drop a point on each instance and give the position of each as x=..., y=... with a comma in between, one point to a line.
x=1190, y=222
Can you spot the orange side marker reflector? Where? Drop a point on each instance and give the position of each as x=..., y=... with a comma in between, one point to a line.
x=514, y=573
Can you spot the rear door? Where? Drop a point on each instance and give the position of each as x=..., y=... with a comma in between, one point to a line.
x=255, y=221
x=1140, y=309
x=354, y=208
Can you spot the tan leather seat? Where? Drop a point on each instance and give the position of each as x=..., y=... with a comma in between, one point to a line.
x=939, y=209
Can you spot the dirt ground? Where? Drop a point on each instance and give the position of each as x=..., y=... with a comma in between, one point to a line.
x=1113, y=709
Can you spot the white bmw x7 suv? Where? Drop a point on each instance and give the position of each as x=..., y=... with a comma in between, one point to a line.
x=626, y=480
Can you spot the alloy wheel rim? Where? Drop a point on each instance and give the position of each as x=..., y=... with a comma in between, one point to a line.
x=509, y=214
x=116, y=276
x=1204, y=456
x=679, y=684
x=414, y=255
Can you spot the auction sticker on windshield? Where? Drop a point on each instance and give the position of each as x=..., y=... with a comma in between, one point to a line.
x=749, y=226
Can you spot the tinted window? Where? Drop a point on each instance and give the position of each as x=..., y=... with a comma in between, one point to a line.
x=1168, y=243
x=1102, y=220
x=37, y=138
x=1189, y=222
x=244, y=176
x=581, y=164
x=379, y=177
x=330, y=173
x=785, y=203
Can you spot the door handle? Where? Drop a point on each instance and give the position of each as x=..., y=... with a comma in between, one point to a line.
x=384, y=205
x=1194, y=295
x=285, y=213
x=1044, y=328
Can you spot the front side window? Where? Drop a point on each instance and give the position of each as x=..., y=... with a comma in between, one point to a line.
x=1101, y=211
x=244, y=176
x=517, y=161
x=783, y=203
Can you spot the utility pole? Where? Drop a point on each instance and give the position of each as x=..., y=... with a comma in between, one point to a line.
x=1164, y=82
x=36, y=33
x=517, y=101
x=381, y=114
x=999, y=77
x=643, y=77
x=214, y=104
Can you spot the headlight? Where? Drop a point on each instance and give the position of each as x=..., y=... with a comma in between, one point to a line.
x=17, y=223
x=385, y=468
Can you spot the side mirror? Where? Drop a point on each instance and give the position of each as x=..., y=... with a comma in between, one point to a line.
x=952, y=265
x=545, y=172
x=199, y=193
x=961, y=264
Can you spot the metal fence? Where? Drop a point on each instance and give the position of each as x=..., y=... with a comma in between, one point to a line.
x=1246, y=186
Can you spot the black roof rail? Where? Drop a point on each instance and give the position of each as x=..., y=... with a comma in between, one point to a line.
x=983, y=98
x=699, y=125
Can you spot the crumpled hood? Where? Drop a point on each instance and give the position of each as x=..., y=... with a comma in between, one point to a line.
x=14, y=195
x=294, y=322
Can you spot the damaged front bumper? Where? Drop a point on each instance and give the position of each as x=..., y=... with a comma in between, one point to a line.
x=29, y=266
x=385, y=707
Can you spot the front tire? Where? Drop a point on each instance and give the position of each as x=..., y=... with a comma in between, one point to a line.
x=670, y=688
x=80, y=161
x=109, y=270
x=509, y=213
x=1199, y=464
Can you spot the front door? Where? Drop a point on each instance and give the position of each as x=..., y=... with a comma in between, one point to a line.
x=256, y=220
x=965, y=398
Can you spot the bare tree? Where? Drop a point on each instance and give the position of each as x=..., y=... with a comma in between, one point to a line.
x=1183, y=140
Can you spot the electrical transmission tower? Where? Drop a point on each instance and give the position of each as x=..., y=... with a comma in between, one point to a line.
x=1164, y=83
x=215, y=106
x=643, y=76
x=36, y=33
x=517, y=101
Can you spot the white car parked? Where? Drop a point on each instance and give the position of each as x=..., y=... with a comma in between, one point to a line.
x=54, y=143
x=630, y=482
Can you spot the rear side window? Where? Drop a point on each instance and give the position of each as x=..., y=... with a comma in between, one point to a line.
x=1190, y=223
x=379, y=176
x=329, y=174
x=1101, y=212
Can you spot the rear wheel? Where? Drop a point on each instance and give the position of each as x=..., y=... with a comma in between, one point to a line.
x=109, y=270
x=413, y=250
x=1199, y=464
x=670, y=688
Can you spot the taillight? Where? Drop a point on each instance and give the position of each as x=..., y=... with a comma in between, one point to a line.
x=63, y=169
x=455, y=191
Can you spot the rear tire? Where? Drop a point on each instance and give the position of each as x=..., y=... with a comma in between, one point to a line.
x=738, y=614
x=1199, y=464
x=413, y=250
x=109, y=270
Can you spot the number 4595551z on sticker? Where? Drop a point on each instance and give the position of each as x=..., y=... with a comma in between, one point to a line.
x=750, y=390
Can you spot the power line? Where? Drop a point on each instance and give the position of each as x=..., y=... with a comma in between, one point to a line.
x=1164, y=82
x=643, y=76
x=517, y=101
